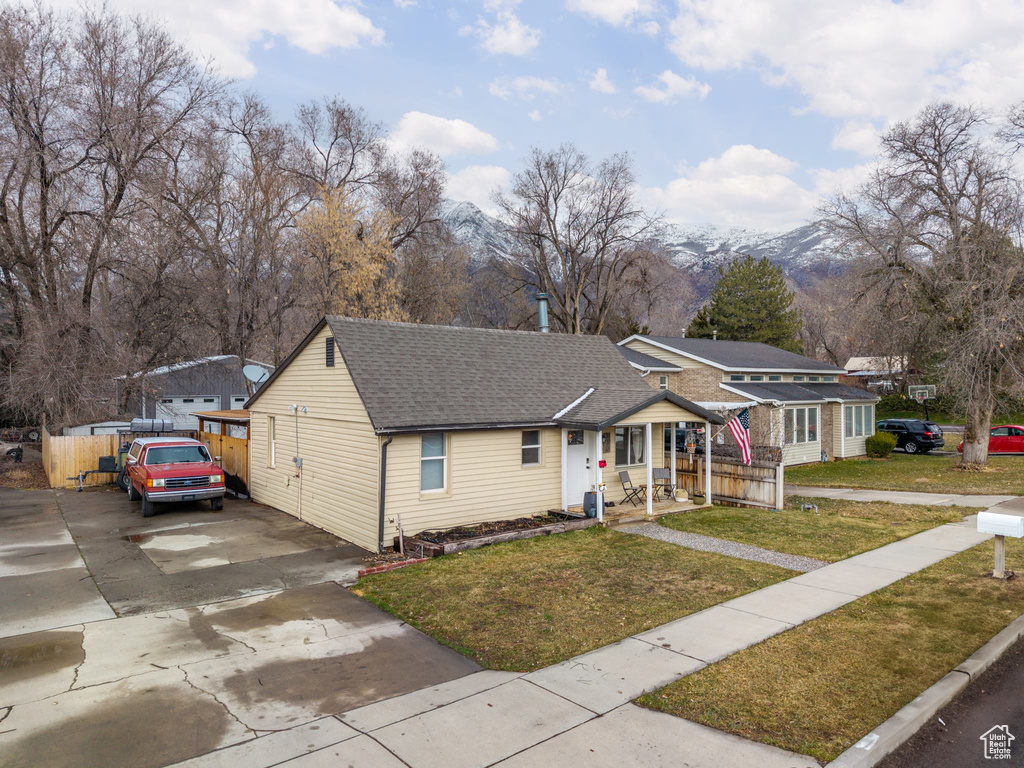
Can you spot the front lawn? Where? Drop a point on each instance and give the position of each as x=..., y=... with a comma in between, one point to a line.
x=527, y=604
x=927, y=474
x=839, y=529
x=819, y=688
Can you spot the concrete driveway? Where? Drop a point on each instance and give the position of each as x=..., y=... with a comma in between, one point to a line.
x=143, y=642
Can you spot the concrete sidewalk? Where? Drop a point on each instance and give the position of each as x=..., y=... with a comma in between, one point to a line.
x=579, y=712
x=1011, y=505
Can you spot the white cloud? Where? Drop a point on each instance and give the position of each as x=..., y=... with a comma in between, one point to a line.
x=869, y=59
x=669, y=86
x=600, y=82
x=534, y=114
x=650, y=28
x=745, y=186
x=405, y=3
x=476, y=183
x=226, y=30
x=857, y=136
x=615, y=12
x=525, y=87
x=442, y=135
x=506, y=34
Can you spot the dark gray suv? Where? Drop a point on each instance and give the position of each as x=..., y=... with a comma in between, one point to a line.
x=914, y=435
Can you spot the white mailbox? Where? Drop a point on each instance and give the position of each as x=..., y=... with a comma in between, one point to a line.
x=1001, y=525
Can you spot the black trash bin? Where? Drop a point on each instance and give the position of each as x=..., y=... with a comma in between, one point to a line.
x=590, y=504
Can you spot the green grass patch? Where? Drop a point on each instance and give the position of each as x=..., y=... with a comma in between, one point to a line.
x=927, y=474
x=839, y=529
x=526, y=604
x=819, y=688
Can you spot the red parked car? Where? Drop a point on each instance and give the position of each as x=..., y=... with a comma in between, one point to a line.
x=1008, y=438
x=163, y=469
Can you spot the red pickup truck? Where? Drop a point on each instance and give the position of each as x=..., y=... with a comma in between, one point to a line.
x=162, y=469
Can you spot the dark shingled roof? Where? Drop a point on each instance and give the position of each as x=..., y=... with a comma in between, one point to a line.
x=743, y=355
x=639, y=358
x=412, y=376
x=798, y=392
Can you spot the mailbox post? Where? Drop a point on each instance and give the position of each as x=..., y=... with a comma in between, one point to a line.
x=1001, y=526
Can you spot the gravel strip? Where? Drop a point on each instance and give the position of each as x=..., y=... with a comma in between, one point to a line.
x=724, y=547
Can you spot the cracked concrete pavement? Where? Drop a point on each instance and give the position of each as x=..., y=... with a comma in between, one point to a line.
x=132, y=642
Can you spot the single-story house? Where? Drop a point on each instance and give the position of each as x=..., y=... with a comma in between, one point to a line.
x=799, y=412
x=878, y=374
x=368, y=422
x=177, y=390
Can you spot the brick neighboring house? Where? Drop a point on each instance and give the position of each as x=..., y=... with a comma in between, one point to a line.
x=798, y=409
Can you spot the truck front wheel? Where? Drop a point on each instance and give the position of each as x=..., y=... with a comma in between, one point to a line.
x=217, y=503
x=147, y=507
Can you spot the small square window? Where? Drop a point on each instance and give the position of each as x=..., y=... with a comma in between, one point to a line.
x=531, y=447
x=663, y=382
x=433, y=461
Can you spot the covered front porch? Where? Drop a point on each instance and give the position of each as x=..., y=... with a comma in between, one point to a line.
x=620, y=469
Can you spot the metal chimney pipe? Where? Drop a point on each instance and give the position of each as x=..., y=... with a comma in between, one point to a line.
x=714, y=335
x=684, y=333
x=542, y=312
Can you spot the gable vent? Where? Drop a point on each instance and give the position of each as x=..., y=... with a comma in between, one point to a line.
x=330, y=352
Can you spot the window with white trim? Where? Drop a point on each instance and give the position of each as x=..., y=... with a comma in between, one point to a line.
x=814, y=378
x=629, y=446
x=663, y=382
x=271, y=442
x=433, y=461
x=859, y=420
x=801, y=425
x=775, y=377
x=737, y=377
x=531, y=447
x=757, y=377
x=828, y=378
x=798, y=378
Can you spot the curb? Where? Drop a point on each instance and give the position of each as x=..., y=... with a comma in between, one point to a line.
x=870, y=750
x=390, y=566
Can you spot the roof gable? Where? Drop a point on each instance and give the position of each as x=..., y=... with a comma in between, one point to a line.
x=738, y=355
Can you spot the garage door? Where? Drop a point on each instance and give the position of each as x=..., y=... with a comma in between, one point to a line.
x=177, y=409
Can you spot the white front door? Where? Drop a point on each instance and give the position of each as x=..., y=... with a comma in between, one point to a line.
x=577, y=466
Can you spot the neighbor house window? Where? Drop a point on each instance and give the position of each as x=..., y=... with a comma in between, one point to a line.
x=531, y=447
x=814, y=378
x=629, y=446
x=433, y=461
x=801, y=425
x=756, y=378
x=828, y=378
x=271, y=443
x=859, y=420
x=798, y=378
x=775, y=377
x=663, y=382
x=737, y=377
x=329, y=359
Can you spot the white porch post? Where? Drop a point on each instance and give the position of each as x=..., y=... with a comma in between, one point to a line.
x=599, y=475
x=707, y=462
x=650, y=468
x=672, y=453
x=565, y=469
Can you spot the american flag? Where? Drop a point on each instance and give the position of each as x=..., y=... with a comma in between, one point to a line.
x=739, y=425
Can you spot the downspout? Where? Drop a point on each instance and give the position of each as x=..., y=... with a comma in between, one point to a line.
x=382, y=492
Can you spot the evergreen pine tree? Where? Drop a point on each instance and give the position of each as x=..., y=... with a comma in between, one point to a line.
x=750, y=302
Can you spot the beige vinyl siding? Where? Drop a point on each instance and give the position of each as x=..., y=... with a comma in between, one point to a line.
x=663, y=354
x=837, y=429
x=336, y=441
x=486, y=481
x=637, y=472
x=663, y=411
x=800, y=453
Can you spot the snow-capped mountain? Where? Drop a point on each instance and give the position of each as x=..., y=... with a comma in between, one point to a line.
x=802, y=253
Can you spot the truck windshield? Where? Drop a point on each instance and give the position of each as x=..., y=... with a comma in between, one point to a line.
x=177, y=454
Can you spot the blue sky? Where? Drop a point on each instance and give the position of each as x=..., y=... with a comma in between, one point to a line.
x=737, y=112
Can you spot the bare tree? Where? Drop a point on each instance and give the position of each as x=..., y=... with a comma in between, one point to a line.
x=578, y=229
x=940, y=220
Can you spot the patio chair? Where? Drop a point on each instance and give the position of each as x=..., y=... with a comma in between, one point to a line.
x=633, y=494
x=663, y=479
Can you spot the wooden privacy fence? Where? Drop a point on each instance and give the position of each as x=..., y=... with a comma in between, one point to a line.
x=234, y=457
x=733, y=483
x=65, y=457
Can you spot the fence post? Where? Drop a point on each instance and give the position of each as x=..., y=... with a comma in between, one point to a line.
x=780, y=491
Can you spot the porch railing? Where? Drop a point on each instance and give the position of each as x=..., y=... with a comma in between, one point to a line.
x=760, y=484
